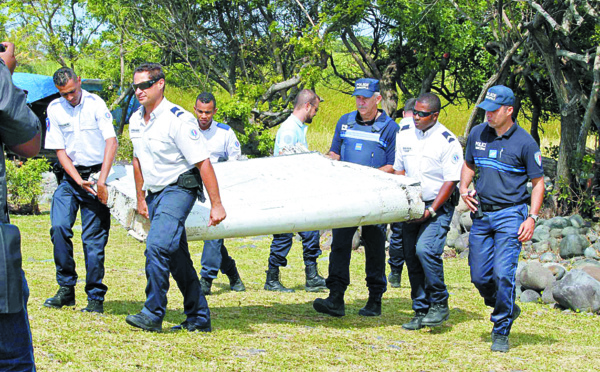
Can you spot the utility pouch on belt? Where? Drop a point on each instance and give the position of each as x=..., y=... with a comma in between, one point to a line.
x=455, y=197
x=11, y=277
x=192, y=180
x=479, y=212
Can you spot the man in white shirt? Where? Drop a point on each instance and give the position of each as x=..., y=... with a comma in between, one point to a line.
x=80, y=128
x=291, y=133
x=431, y=154
x=170, y=164
x=222, y=145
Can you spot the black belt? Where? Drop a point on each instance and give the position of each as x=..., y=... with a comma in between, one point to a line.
x=496, y=207
x=90, y=169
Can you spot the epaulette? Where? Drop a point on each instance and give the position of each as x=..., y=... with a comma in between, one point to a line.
x=405, y=127
x=223, y=126
x=177, y=111
x=448, y=136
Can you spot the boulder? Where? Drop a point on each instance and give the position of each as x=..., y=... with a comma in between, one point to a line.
x=593, y=271
x=556, y=269
x=570, y=230
x=596, y=245
x=465, y=221
x=540, y=234
x=584, y=230
x=554, y=244
x=520, y=266
x=548, y=257
x=451, y=237
x=558, y=222
x=592, y=236
x=541, y=247
x=577, y=221
x=461, y=243
x=455, y=222
x=590, y=252
x=585, y=262
x=547, y=296
x=556, y=233
x=464, y=254
x=535, y=276
x=578, y=291
x=529, y=295
x=573, y=246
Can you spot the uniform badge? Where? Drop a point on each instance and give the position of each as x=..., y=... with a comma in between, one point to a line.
x=493, y=154
x=194, y=134
x=455, y=158
x=538, y=158
x=47, y=125
x=344, y=126
x=108, y=115
x=406, y=149
x=237, y=144
x=358, y=147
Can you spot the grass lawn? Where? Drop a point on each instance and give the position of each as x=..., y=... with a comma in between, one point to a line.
x=258, y=330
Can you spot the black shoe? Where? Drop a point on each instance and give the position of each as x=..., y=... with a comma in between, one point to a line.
x=235, y=282
x=373, y=306
x=94, y=306
x=332, y=305
x=500, y=343
x=438, y=313
x=64, y=297
x=142, y=321
x=394, y=278
x=206, y=284
x=416, y=322
x=516, y=313
x=273, y=283
x=192, y=327
x=314, y=281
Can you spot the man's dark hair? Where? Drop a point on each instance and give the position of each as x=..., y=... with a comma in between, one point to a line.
x=431, y=100
x=206, y=97
x=304, y=96
x=63, y=75
x=409, y=105
x=154, y=70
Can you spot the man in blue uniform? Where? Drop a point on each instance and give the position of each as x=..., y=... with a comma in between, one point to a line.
x=80, y=128
x=20, y=132
x=170, y=163
x=506, y=156
x=222, y=145
x=292, y=132
x=367, y=137
x=428, y=152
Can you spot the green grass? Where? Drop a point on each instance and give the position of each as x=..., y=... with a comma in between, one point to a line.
x=258, y=330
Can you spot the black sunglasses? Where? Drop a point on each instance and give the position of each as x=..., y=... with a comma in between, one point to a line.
x=423, y=114
x=144, y=84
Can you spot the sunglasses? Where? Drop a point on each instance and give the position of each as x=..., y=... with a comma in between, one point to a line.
x=144, y=84
x=423, y=114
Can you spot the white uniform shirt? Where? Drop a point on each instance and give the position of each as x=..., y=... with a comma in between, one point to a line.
x=432, y=157
x=291, y=132
x=168, y=145
x=81, y=131
x=221, y=142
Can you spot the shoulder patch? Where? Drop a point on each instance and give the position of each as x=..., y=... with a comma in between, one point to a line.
x=538, y=158
x=194, y=134
x=47, y=124
x=223, y=126
x=405, y=127
x=448, y=136
x=177, y=111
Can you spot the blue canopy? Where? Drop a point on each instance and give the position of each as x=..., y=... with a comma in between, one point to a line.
x=41, y=86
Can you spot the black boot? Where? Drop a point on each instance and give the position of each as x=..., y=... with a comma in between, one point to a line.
x=206, y=284
x=94, y=306
x=235, y=282
x=332, y=305
x=394, y=278
x=64, y=297
x=314, y=281
x=373, y=306
x=438, y=313
x=416, y=322
x=273, y=283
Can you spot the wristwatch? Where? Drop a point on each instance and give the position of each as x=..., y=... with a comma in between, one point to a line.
x=431, y=211
x=534, y=217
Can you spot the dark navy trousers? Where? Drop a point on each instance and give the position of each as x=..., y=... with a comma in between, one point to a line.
x=494, y=250
x=95, y=224
x=282, y=243
x=396, y=248
x=16, y=349
x=374, y=237
x=167, y=253
x=215, y=257
x=423, y=249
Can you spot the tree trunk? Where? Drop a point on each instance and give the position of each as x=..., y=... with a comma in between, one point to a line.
x=388, y=91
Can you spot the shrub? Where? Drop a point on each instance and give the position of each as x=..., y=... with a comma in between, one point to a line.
x=24, y=184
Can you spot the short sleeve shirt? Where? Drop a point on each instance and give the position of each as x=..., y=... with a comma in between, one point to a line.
x=505, y=163
x=432, y=157
x=168, y=145
x=81, y=130
x=221, y=142
x=291, y=132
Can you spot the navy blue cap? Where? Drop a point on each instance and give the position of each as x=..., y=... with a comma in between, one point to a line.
x=496, y=97
x=366, y=87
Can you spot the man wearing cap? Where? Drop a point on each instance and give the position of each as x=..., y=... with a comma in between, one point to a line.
x=427, y=151
x=506, y=156
x=367, y=137
x=290, y=133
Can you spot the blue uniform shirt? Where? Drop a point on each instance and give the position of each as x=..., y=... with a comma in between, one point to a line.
x=370, y=145
x=504, y=163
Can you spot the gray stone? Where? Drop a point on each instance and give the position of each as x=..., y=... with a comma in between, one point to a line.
x=584, y=230
x=573, y=246
x=558, y=222
x=556, y=269
x=596, y=245
x=464, y=254
x=541, y=247
x=528, y=246
x=540, y=234
x=576, y=220
x=592, y=236
x=465, y=221
x=534, y=256
x=548, y=257
x=578, y=291
x=554, y=244
x=535, y=276
x=455, y=223
x=520, y=266
x=556, y=233
x=547, y=296
x=529, y=295
x=451, y=237
x=585, y=262
x=570, y=230
x=593, y=271
x=461, y=243
x=590, y=252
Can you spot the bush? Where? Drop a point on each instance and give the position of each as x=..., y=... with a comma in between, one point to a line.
x=24, y=184
x=125, y=150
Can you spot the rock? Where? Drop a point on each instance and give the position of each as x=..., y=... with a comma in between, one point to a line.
x=548, y=257
x=528, y=246
x=573, y=246
x=556, y=233
x=554, y=244
x=520, y=266
x=534, y=256
x=585, y=262
x=578, y=291
x=596, y=245
x=529, y=295
x=535, y=276
x=590, y=252
x=49, y=185
x=461, y=243
x=584, y=230
x=547, y=296
x=541, y=247
x=558, y=223
x=464, y=254
x=465, y=221
x=356, y=240
x=540, y=234
x=451, y=237
x=570, y=230
x=592, y=236
x=576, y=221
x=596, y=228
x=556, y=269
x=593, y=271
x=455, y=223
